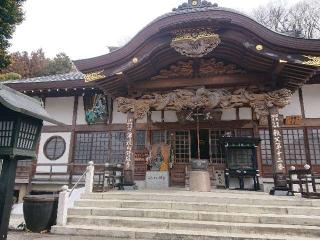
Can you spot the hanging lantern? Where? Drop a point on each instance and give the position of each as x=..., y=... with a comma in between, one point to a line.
x=195, y=43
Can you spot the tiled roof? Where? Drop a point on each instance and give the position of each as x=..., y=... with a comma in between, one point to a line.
x=24, y=104
x=72, y=76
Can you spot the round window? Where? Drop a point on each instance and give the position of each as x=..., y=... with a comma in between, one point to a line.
x=54, y=148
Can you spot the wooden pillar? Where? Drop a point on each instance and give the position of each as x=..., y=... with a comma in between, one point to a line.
x=72, y=139
x=7, y=181
x=129, y=156
x=280, y=182
x=258, y=149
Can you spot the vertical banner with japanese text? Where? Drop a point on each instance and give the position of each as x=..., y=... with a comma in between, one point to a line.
x=129, y=161
x=276, y=147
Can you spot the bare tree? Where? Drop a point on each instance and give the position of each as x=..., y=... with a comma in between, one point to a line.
x=299, y=20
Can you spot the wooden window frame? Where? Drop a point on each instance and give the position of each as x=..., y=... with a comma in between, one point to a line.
x=110, y=151
x=314, y=147
x=294, y=147
x=266, y=158
x=45, y=150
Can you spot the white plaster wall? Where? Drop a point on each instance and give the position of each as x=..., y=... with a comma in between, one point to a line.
x=143, y=120
x=293, y=108
x=64, y=159
x=60, y=108
x=156, y=116
x=311, y=99
x=245, y=114
x=170, y=116
x=229, y=114
x=81, y=116
x=118, y=117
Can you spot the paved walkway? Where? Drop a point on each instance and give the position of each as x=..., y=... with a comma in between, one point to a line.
x=13, y=235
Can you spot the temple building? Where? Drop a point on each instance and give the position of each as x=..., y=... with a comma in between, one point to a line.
x=189, y=78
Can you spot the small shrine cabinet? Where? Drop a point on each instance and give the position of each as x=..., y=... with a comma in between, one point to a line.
x=241, y=160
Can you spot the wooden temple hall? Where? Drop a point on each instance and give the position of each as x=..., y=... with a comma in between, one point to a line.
x=199, y=83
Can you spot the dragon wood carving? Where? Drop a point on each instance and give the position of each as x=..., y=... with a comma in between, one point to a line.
x=207, y=68
x=183, y=99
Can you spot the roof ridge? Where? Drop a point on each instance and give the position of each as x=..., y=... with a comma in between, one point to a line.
x=71, y=76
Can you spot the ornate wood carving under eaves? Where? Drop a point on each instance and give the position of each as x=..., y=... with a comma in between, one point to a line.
x=202, y=98
x=207, y=68
x=210, y=67
x=179, y=70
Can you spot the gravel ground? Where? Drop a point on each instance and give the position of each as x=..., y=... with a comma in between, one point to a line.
x=15, y=235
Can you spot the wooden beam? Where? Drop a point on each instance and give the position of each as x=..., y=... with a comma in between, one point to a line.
x=302, y=103
x=216, y=81
x=278, y=68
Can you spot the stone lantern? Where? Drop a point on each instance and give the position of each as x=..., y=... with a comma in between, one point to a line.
x=21, y=120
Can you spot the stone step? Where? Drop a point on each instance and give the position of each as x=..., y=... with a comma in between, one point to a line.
x=198, y=206
x=212, y=197
x=174, y=224
x=198, y=216
x=115, y=233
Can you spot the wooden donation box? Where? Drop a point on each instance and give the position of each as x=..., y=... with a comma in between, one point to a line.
x=157, y=176
x=241, y=162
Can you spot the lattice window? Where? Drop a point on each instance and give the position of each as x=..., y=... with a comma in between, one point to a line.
x=140, y=140
x=217, y=150
x=92, y=147
x=266, y=154
x=243, y=132
x=314, y=145
x=1, y=162
x=6, y=130
x=24, y=163
x=100, y=147
x=241, y=158
x=27, y=135
x=294, y=148
x=159, y=136
x=54, y=148
x=118, y=145
x=182, y=146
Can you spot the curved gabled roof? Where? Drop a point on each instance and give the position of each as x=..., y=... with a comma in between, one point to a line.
x=283, y=58
x=206, y=15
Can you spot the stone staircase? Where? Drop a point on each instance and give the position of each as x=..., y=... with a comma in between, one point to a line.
x=187, y=215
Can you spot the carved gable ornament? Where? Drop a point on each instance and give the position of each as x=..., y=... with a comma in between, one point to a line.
x=94, y=76
x=312, y=61
x=183, y=99
x=195, y=43
x=207, y=68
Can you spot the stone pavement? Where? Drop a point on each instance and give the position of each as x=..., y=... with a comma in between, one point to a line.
x=15, y=235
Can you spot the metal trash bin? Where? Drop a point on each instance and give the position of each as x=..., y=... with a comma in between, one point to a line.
x=40, y=212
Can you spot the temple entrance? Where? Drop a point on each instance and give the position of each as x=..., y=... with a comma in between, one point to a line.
x=186, y=148
x=203, y=144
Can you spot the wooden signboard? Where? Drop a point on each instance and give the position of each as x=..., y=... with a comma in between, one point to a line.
x=293, y=120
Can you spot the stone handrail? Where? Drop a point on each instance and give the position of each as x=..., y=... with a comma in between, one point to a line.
x=66, y=192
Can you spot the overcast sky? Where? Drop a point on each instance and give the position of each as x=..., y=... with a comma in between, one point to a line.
x=84, y=28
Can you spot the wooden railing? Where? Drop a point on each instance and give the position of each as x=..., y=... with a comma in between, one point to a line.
x=54, y=173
